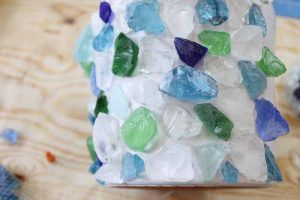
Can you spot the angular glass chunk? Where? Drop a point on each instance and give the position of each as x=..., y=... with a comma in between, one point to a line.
x=213, y=12
x=139, y=130
x=106, y=137
x=118, y=102
x=144, y=15
x=188, y=84
x=93, y=82
x=238, y=10
x=209, y=158
x=145, y=93
x=109, y=173
x=101, y=104
x=179, y=123
x=83, y=51
x=224, y=70
x=95, y=166
x=179, y=16
x=132, y=167
x=155, y=49
x=218, y=43
x=91, y=148
x=174, y=162
x=269, y=122
x=270, y=64
x=254, y=79
x=189, y=52
x=231, y=99
x=230, y=173
x=105, y=11
x=126, y=56
x=104, y=75
x=104, y=40
x=10, y=135
x=274, y=173
x=247, y=43
x=257, y=18
x=248, y=155
x=91, y=118
x=214, y=120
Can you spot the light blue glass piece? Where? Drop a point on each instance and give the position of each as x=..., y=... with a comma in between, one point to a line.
x=91, y=118
x=257, y=18
x=213, y=12
x=210, y=157
x=104, y=40
x=83, y=51
x=95, y=166
x=274, y=174
x=132, y=167
x=254, y=80
x=118, y=102
x=101, y=183
x=10, y=135
x=188, y=84
x=94, y=88
x=230, y=173
x=144, y=15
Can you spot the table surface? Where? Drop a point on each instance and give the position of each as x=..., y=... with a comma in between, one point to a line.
x=44, y=94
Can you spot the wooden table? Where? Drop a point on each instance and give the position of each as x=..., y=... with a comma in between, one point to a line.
x=44, y=95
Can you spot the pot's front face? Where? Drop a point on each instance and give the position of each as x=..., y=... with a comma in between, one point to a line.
x=182, y=94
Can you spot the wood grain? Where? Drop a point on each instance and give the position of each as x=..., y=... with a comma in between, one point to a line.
x=44, y=95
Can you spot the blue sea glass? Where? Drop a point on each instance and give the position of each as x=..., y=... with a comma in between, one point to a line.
x=95, y=166
x=83, y=51
x=254, y=80
x=230, y=173
x=105, y=11
x=91, y=118
x=257, y=18
x=188, y=84
x=93, y=82
x=132, y=167
x=274, y=174
x=189, y=52
x=213, y=12
x=269, y=122
x=144, y=15
x=104, y=40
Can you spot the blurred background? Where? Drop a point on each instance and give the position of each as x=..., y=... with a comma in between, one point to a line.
x=44, y=96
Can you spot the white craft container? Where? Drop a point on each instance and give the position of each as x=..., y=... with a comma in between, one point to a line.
x=109, y=173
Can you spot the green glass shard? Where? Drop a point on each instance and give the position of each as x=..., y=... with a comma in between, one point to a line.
x=218, y=43
x=214, y=120
x=91, y=148
x=126, y=56
x=139, y=130
x=101, y=104
x=270, y=64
